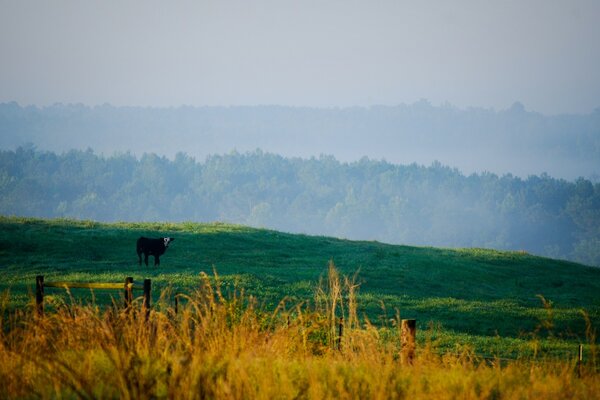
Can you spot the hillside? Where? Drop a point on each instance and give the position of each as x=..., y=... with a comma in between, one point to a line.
x=364, y=200
x=482, y=297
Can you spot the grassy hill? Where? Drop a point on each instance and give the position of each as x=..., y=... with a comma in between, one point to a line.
x=484, y=298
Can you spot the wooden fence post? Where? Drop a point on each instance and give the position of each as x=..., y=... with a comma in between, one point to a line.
x=579, y=360
x=340, y=333
x=128, y=291
x=407, y=341
x=147, y=298
x=39, y=295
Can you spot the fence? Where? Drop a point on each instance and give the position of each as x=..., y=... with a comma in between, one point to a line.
x=408, y=327
x=128, y=287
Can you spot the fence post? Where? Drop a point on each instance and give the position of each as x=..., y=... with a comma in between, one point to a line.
x=407, y=341
x=39, y=295
x=128, y=291
x=147, y=298
x=340, y=333
x=579, y=360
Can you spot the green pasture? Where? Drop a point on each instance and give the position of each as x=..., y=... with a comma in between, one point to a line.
x=489, y=300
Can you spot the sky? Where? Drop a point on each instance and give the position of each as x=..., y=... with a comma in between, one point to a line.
x=545, y=54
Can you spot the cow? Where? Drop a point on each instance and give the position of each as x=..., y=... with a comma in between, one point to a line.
x=152, y=247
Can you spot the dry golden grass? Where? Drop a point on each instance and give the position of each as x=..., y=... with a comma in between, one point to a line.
x=223, y=347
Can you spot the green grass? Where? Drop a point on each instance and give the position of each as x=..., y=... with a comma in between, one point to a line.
x=483, y=298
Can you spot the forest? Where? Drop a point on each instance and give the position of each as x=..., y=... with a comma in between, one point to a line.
x=368, y=199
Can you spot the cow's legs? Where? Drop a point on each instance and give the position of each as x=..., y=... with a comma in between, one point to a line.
x=140, y=257
x=156, y=260
x=146, y=258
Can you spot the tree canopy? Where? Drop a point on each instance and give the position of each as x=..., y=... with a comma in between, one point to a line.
x=375, y=200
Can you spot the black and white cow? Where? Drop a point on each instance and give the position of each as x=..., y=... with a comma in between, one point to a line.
x=152, y=247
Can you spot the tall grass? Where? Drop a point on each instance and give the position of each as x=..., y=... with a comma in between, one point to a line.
x=224, y=346
x=482, y=298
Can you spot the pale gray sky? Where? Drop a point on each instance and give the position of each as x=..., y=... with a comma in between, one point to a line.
x=543, y=53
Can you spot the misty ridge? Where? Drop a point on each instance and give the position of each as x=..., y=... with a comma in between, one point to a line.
x=366, y=199
x=512, y=141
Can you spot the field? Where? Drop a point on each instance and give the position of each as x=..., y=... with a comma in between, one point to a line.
x=471, y=305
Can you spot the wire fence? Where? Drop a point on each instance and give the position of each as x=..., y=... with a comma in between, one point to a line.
x=408, y=330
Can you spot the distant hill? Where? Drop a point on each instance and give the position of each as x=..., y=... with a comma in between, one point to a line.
x=367, y=199
x=512, y=141
x=486, y=298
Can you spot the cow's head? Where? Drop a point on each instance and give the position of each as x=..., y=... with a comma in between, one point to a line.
x=167, y=240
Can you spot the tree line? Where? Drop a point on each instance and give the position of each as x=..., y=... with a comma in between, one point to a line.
x=368, y=199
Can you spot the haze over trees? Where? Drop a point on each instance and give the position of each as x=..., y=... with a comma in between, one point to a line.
x=366, y=199
x=512, y=141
